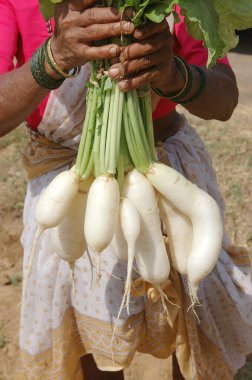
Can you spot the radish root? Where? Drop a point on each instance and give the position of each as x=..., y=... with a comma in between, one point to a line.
x=38, y=233
x=72, y=267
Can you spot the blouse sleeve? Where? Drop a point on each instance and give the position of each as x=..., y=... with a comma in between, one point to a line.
x=8, y=36
x=191, y=50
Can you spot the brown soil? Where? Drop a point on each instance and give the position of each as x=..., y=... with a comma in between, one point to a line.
x=230, y=146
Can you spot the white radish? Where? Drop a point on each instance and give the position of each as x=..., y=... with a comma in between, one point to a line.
x=56, y=199
x=131, y=224
x=118, y=244
x=101, y=214
x=179, y=232
x=68, y=238
x=204, y=214
x=151, y=256
x=52, y=206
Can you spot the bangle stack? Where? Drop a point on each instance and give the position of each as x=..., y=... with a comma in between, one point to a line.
x=37, y=64
x=187, y=73
x=202, y=85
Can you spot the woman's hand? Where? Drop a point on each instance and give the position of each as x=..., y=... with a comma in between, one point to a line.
x=79, y=26
x=150, y=60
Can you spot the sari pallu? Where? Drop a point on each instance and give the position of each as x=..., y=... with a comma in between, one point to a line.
x=59, y=326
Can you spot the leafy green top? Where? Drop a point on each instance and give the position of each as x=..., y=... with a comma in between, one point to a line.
x=213, y=21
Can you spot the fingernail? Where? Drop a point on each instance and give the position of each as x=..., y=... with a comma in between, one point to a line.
x=114, y=72
x=113, y=51
x=127, y=27
x=139, y=33
x=123, y=85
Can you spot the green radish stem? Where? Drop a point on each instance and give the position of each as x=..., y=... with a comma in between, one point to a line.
x=115, y=131
x=104, y=131
x=130, y=139
x=136, y=147
x=96, y=149
x=88, y=137
x=133, y=104
x=137, y=135
x=110, y=125
x=124, y=151
x=119, y=122
x=89, y=102
x=146, y=101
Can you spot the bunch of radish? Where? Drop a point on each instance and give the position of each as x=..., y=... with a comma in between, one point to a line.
x=117, y=194
x=125, y=211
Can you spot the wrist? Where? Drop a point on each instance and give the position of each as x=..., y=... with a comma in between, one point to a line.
x=189, y=92
x=50, y=60
x=180, y=94
x=175, y=81
x=58, y=57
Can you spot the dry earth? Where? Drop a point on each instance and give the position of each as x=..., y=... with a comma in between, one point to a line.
x=231, y=147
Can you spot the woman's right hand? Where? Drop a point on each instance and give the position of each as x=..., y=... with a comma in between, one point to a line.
x=78, y=26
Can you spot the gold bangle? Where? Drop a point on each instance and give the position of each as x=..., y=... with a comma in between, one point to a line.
x=186, y=78
x=54, y=64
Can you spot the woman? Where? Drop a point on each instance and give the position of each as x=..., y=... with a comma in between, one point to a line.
x=58, y=328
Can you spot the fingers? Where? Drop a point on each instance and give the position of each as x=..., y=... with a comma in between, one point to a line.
x=150, y=29
x=79, y=5
x=136, y=66
x=151, y=68
x=95, y=23
x=145, y=47
x=147, y=76
x=63, y=7
x=97, y=15
x=103, y=52
x=98, y=32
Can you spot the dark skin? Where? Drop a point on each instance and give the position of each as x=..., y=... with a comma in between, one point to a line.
x=149, y=59
x=90, y=370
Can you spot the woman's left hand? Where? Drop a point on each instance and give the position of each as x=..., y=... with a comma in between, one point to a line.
x=149, y=59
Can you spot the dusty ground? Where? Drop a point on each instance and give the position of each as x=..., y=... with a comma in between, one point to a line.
x=231, y=147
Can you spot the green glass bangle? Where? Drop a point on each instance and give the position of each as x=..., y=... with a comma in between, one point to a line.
x=39, y=72
x=202, y=85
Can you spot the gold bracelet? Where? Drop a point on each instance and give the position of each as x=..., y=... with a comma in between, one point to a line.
x=55, y=66
x=186, y=77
